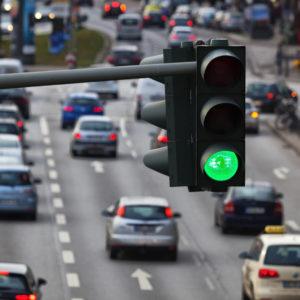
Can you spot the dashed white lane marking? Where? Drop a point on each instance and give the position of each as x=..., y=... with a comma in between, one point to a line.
x=68, y=257
x=123, y=127
x=98, y=166
x=51, y=162
x=47, y=141
x=293, y=225
x=77, y=299
x=55, y=188
x=44, y=126
x=64, y=237
x=209, y=283
x=73, y=280
x=129, y=143
x=133, y=154
x=58, y=203
x=61, y=219
x=197, y=260
x=52, y=174
x=48, y=152
x=281, y=172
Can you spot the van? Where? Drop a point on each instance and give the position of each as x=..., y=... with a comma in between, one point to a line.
x=129, y=26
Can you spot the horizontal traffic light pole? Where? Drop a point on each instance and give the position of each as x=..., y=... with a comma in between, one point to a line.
x=17, y=80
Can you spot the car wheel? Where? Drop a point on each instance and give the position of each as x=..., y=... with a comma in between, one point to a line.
x=118, y=38
x=116, y=96
x=244, y=295
x=113, y=253
x=138, y=115
x=73, y=152
x=256, y=131
x=216, y=221
x=113, y=153
x=173, y=254
x=63, y=126
x=33, y=215
x=224, y=229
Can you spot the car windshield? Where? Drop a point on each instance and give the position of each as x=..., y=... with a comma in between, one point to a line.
x=12, y=282
x=283, y=255
x=248, y=105
x=254, y=193
x=8, y=144
x=8, y=128
x=96, y=126
x=13, y=178
x=124, y=53
x=83, y=101
x=258, y=88
x=129, y=22
x=145, y=212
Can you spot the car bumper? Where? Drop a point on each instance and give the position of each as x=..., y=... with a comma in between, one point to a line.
x=71, y=118
x=128, y=35
x=277, y=294
x=252, y=124
x=94, y=147
x=17, y=209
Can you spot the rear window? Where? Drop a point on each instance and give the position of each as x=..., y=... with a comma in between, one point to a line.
x=96, y=126
x=83, y=101
x=129, y=22
x=181, y=21
x=283, y=255
x=145, y=212
x=124, y=53
x=8, y=128
x=12, y=282
x=254, y=193
x=9, y=69
x=258, y=88
x=11, y=178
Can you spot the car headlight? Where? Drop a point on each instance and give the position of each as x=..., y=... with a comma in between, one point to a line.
x=38, y=15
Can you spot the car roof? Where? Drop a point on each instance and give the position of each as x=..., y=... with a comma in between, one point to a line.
x=9, y=137
x=14, y=268
x=83, y=94
x=180, y=16
x=125, y=48
x=94, y=118
x=21, y=168
x=129, y=15
x=143, y=200
x=280, y=239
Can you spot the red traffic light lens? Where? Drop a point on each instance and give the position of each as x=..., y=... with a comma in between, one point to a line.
x=223, y=71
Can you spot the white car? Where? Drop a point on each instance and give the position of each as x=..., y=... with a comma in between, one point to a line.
x=272, y=266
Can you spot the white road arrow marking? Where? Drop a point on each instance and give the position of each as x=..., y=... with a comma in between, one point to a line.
x=281, y=172
x=98, y=166
x=142, y=278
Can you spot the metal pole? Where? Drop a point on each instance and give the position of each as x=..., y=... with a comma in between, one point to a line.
x=73, y=37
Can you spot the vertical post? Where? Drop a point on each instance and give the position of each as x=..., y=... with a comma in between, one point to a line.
x=73, y=37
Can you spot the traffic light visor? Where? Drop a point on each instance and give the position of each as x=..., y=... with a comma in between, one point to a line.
x=221, y=68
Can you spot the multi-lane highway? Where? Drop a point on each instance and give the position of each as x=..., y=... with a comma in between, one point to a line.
x=66, y=245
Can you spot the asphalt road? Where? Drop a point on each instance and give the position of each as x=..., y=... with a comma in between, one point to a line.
x=66, y=245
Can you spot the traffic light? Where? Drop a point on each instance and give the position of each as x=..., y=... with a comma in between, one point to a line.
x=220, y=129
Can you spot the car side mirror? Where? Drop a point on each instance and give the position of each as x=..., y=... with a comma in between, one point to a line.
x=176, y=215
x=107, y=213
x=244, y=255
x=41, y=281
x=37, y=180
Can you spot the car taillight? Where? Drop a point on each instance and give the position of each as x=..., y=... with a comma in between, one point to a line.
x=27, y=191
x=19, y=137
x=174, y=36
x=115, y=4
x=189, y=23
x=68, y=108
x=192, y=37
x=111, y=59
x=254, y=114
x=106, y=8
x=113, y=137
x=140, y=25
x=162, y=139
x=121, y=211
x=172, y=23
x=293, y=94
x=20, y=124
x=4, y=273
x=97, y=109
x=146, y=17
x=168, y=212
x=268, y=273
x=229, y=208
x=123, y=7
x=77, y=135
x=270, y=96
x=164, y=18
x=24, y=100
x=26, y=297
x=278, y=209
x=136, y=59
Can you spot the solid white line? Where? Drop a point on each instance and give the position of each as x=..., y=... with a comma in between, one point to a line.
x=64, y=237
x=47, y=141
x=61, y=219
x=73, y=280
x=209, y=283
x=52, y=174
x=293, y=225
x=133, y=154
x=48, y=152
x=58, y=203
x=129, y=143
x=44, y=126
x=51, y=162
x=68, y=257
x=123, y=127
x=55, y=188
x=77, y=299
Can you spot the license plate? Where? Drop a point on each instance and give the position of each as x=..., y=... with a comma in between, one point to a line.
x=255, y=210
x=145, y=228
x=124, y=61
x=291, y=284
x=257, y=103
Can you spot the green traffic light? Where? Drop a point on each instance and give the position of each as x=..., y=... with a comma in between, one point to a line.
x=221, y=165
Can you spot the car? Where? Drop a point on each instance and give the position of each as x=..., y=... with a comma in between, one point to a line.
x=89, y=3
x=104, y=89
x=180, y=20
x=11, y=65
x=267, y=95
x=12, y=111
x=6, y=24
x=129, y=26
x=252, y=117
x=159, y=139
x=6, y=6
x=217, y=19
x=18, y=282
x=95, y=134
x=147, y=91
x=43, y=13
x=18, y=193
x=123, y=55
x=205, y=16
x=253, y=206
x=113, y=8
x=18, y=96
x=10, y=126
x=271, y=266
x=80, y=104
x=141, y=223
x=153, y=15
x=180, y=34
x=232, y=21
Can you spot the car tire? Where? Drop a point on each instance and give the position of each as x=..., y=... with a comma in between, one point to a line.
x=173, y=255
x=224, y=229
x=116, y=96
x=119, y=38
x=244, y=295
x=138, y=115
x=113, y=253
x=256, y=131
x=216, y=221
x=63, y=126
x=73, y=152
x=33, y=215
x=113, y=154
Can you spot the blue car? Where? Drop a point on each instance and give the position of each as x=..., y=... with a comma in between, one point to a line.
x=18, y=192
x=80, y=104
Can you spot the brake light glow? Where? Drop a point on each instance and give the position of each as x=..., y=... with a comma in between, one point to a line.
x=123, y=7
x=4, y=273
x=146, y=17
x=20, y=124
x=77, y=136
x=168, y=212
x=121, y=211
x=268, y=273
x=106, y=8
x=270, y=96
x=189, y=23
x=192, y=37
x=68, y=108
x=254, y=114
x=162, y=139
x=278, y=209
x=26, y=297
x=136, y=59
x=115, y=4
x=113, y=137
x=174, y=36
x=24, y=100
x=164, y=18
x=294, y=94
x=19, y=137
x=229, y=208
x=172, y=23
x=111, y=59
x=97, y=109
x=140, y=25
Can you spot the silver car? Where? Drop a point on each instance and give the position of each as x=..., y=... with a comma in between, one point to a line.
x=252, y=117
x=141, y=223
x=129, y=26
x=96, y=134
x=104, y=89
x=181, y=34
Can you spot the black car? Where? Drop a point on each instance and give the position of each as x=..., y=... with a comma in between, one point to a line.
x=267, y=96
x=17, y=282
x=113, y=8
x=180, y=20
x=124, y=55
x=253, y=206
x=18, y=96
x=85, y=2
